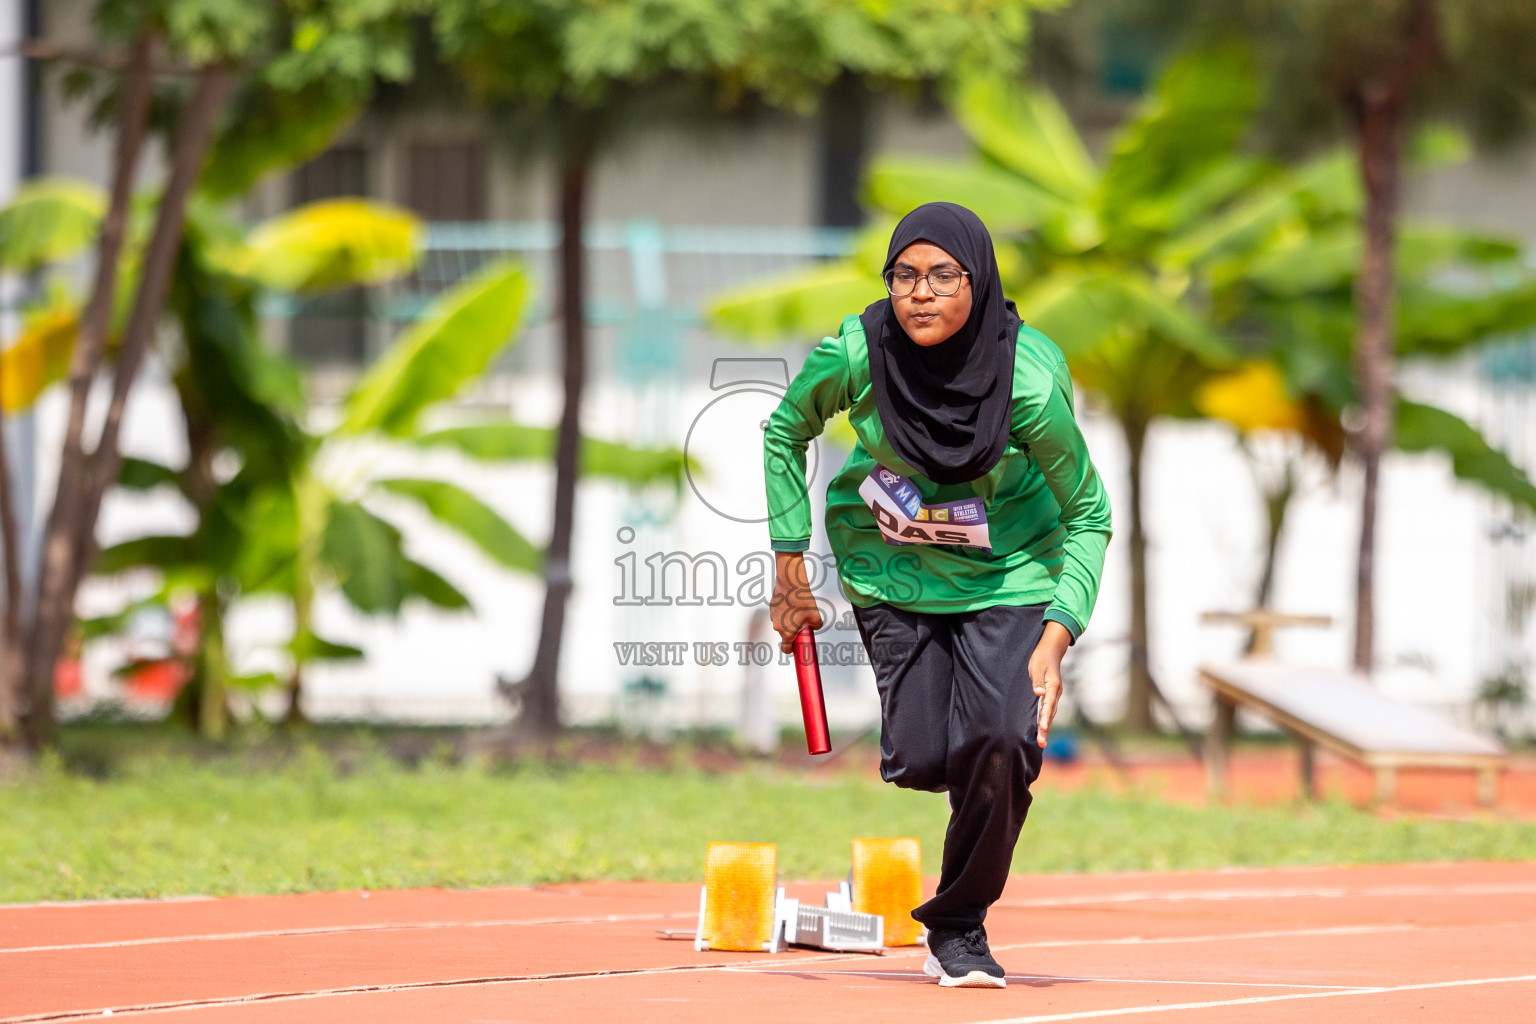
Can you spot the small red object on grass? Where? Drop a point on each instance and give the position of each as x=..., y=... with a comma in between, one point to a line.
x=814, y=709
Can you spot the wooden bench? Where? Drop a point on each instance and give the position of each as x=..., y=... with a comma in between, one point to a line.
x=1338, y=711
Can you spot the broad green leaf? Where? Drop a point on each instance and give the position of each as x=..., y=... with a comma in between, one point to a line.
x=1025, y=129
x=163, y=552
x=452, y=344
x=1329, y=258
x=39, y=357
x=365, y=554
x=472, y=518
x=49, y=220
x=429, y=586
x=1206, y=192
x=517, y=442
x=327, y=244
x=1068, y=308
x=1080, y=310
x=808, y=303
x=309, y=647
x=254, y=682
x=1423, y=428
x=1435, y=322
x=1005, y=202
x=1196, y=114
x=143, y=475
x=270, y=129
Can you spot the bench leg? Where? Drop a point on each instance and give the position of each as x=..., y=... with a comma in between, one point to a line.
x=1218, y=742
x=1386, y=784
x=1487, y=786
x=1308, y=770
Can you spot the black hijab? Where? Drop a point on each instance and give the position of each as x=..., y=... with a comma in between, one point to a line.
x=946, y=408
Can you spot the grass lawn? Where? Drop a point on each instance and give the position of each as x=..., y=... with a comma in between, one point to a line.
x=169, y=824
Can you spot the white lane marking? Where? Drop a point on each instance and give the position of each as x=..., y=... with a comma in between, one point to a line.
x=1054, y=977
x=266, y=997
x=1219, y=895
x=1250, y=1000
x=123, y=901
x=1192, y=895
x=340, y=929
x=410, y=986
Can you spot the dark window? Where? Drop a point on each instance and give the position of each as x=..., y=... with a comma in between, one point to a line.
x=445, y=180
x=339, y=171
x=331, y=328
x=844, y=146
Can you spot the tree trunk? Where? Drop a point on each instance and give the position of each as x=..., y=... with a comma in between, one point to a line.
x=52, y=612
x=540, y=690
x=213, y=700
x=70, y=548
x=1276, y=503
x=1380, y=111
x=311, y=524
x=1138, y=702
x=10, y=624
x=1375, y=300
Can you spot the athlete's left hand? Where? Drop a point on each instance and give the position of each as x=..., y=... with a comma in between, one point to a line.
x=1045, y=673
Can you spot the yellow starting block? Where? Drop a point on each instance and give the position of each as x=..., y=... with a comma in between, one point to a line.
x=887, y=881
x=738, y=906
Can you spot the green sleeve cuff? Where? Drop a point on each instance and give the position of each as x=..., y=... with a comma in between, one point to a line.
x=790, y=545
x=1057, y=615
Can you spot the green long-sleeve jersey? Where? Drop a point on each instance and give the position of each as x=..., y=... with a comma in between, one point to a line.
x=1046, y=508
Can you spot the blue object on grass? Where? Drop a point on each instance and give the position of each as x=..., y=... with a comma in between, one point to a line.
x=1061, y=745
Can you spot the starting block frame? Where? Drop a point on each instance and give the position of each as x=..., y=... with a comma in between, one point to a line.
x=836, y=927
x=746, y=874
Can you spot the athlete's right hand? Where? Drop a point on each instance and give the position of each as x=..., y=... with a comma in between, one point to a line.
x=793, y=604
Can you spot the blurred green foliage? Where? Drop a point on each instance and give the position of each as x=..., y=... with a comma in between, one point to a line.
x=171, y=826
x=593, y=55
x=295, y=519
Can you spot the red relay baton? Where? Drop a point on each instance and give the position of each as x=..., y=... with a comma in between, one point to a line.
x=814, y=709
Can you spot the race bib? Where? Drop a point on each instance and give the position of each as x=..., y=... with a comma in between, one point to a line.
x=904, y=519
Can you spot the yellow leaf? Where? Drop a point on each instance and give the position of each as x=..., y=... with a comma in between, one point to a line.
x=1252, y=398
x=39, y=358
x=328, y=244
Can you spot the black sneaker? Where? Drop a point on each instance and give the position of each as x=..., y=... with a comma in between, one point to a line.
x=962, y=959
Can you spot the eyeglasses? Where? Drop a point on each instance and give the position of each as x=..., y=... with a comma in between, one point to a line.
x=943, y=281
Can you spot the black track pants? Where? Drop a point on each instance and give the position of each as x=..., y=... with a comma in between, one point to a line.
x=958, y=713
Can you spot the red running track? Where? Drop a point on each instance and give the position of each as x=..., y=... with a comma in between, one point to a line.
x=1437, y=942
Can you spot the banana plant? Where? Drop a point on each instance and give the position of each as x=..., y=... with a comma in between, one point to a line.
x=1294, y=298
x=301, y=513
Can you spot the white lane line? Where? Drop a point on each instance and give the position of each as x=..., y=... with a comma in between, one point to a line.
x=1192, y=895
x=410, y=986
x=122, y=901
x=674, y=969
x=342, y=929
x=1220, y=895
x=832, y=973
x=1137, y=940
x=1251, y=1000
